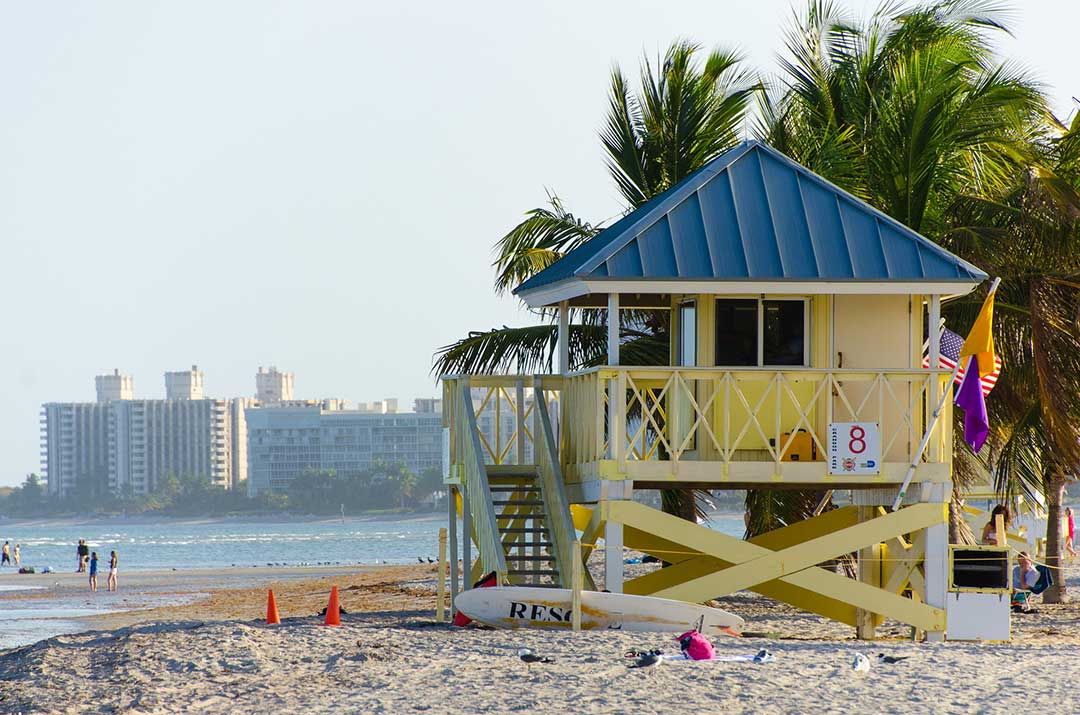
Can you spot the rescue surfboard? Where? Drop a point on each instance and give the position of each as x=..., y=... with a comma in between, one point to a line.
x=530, y=607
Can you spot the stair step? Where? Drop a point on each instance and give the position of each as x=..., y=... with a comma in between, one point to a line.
x=537, y=584
x=536, y=515
x=519, y=502
x=528, y=545
x=514, y=488
x=523, y=530
x=510, y=557
x=532, y=572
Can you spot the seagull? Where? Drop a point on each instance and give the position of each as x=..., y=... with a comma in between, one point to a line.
x=860, y=663
x=647, y=660
x=420, y=559
x=890, y=659
x=528, y=657
x=430, y=560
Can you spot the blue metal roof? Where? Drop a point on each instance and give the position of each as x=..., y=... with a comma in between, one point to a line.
x=752, y=214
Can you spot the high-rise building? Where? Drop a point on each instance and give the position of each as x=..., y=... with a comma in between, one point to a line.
x=114, y=387
x=427, y=404
x=184, y=385
x=76, y=449
x=273, y=386
x=284, y=442
x=128, y=446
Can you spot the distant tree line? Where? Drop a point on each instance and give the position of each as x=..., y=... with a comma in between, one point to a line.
x=382, y=486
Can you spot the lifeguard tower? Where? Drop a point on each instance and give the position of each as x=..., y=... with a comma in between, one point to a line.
x=798, y=317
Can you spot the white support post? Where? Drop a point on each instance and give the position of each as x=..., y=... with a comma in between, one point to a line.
x=615, y=398
x=613, y=329
x=936, y=562
x=564, y=337
x=613, y=541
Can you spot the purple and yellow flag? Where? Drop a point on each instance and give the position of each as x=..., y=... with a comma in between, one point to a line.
x=979, y=349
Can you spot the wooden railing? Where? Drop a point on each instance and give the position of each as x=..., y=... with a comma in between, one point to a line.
x=670, y=414
x=553, y=487
x=475, y=482
x=503, y=406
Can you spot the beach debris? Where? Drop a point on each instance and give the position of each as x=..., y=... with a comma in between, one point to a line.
x=860, y=663
x=272, y=617
x=636, y=653
x=333, y=609
x=890, y=659
x=764, y=656
x=528, y=657
x=647, y=660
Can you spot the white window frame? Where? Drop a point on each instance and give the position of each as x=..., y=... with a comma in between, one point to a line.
x=680, y=356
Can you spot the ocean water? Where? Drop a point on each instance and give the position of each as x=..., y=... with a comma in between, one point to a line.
x=184, y=544
x=213, y=544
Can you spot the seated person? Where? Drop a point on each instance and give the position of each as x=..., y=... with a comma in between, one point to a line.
x=989, y=532
x=1024, y=578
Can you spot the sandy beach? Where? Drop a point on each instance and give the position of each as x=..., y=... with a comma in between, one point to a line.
x=215, y=655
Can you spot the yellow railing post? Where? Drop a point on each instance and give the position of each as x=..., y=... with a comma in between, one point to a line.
x=575, y=588
x=440, y=604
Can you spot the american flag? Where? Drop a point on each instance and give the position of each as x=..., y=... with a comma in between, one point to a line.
x=951, y=343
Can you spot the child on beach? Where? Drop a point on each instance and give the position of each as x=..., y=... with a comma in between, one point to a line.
x=93, y=572
x=15, y=554
x=112, y=571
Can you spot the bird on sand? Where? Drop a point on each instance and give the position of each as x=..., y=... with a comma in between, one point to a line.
x=420, y=559
x=890, y=659
x=860, y=663
x=430, y=560
x=528, y=657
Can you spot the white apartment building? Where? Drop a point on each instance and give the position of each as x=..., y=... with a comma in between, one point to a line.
x=273, y=386
x=184, y=385
x=114, y=387
x=127, y=446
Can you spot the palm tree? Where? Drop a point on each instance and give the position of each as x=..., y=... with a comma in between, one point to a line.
x=685, y=114
x=912, y=111
x=1031, y=237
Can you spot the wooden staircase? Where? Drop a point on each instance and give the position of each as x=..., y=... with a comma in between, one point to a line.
x=524, y=526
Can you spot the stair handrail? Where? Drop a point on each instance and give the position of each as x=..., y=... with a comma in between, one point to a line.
x=478, y=491
x=553, y=490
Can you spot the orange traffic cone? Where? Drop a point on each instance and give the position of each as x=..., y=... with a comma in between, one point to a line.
x=272, y=617
x=333, y=609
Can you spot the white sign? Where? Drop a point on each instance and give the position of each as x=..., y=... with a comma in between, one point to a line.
x=854, y=448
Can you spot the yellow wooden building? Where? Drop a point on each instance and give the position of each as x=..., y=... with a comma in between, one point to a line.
x=795, y=307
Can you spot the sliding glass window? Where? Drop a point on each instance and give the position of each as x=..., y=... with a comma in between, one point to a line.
x=756, y=332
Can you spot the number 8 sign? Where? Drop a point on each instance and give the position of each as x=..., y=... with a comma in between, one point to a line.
x=854, y=448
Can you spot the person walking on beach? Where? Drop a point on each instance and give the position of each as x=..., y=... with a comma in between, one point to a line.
x=81, y=553
x=15, y=554
x=112, y=571
x=6, y=558
x=93, y=572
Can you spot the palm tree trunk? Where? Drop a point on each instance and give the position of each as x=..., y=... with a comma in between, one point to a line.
x=1054, y=498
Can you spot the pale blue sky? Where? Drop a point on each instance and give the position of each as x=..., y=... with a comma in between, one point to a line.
x=313, y=184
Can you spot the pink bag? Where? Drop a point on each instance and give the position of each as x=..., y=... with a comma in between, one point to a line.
x=696, y=646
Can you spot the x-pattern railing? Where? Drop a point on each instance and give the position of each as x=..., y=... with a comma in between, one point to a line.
x=668, y=412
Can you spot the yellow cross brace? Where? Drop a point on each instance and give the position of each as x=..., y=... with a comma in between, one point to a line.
x=755, y=565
